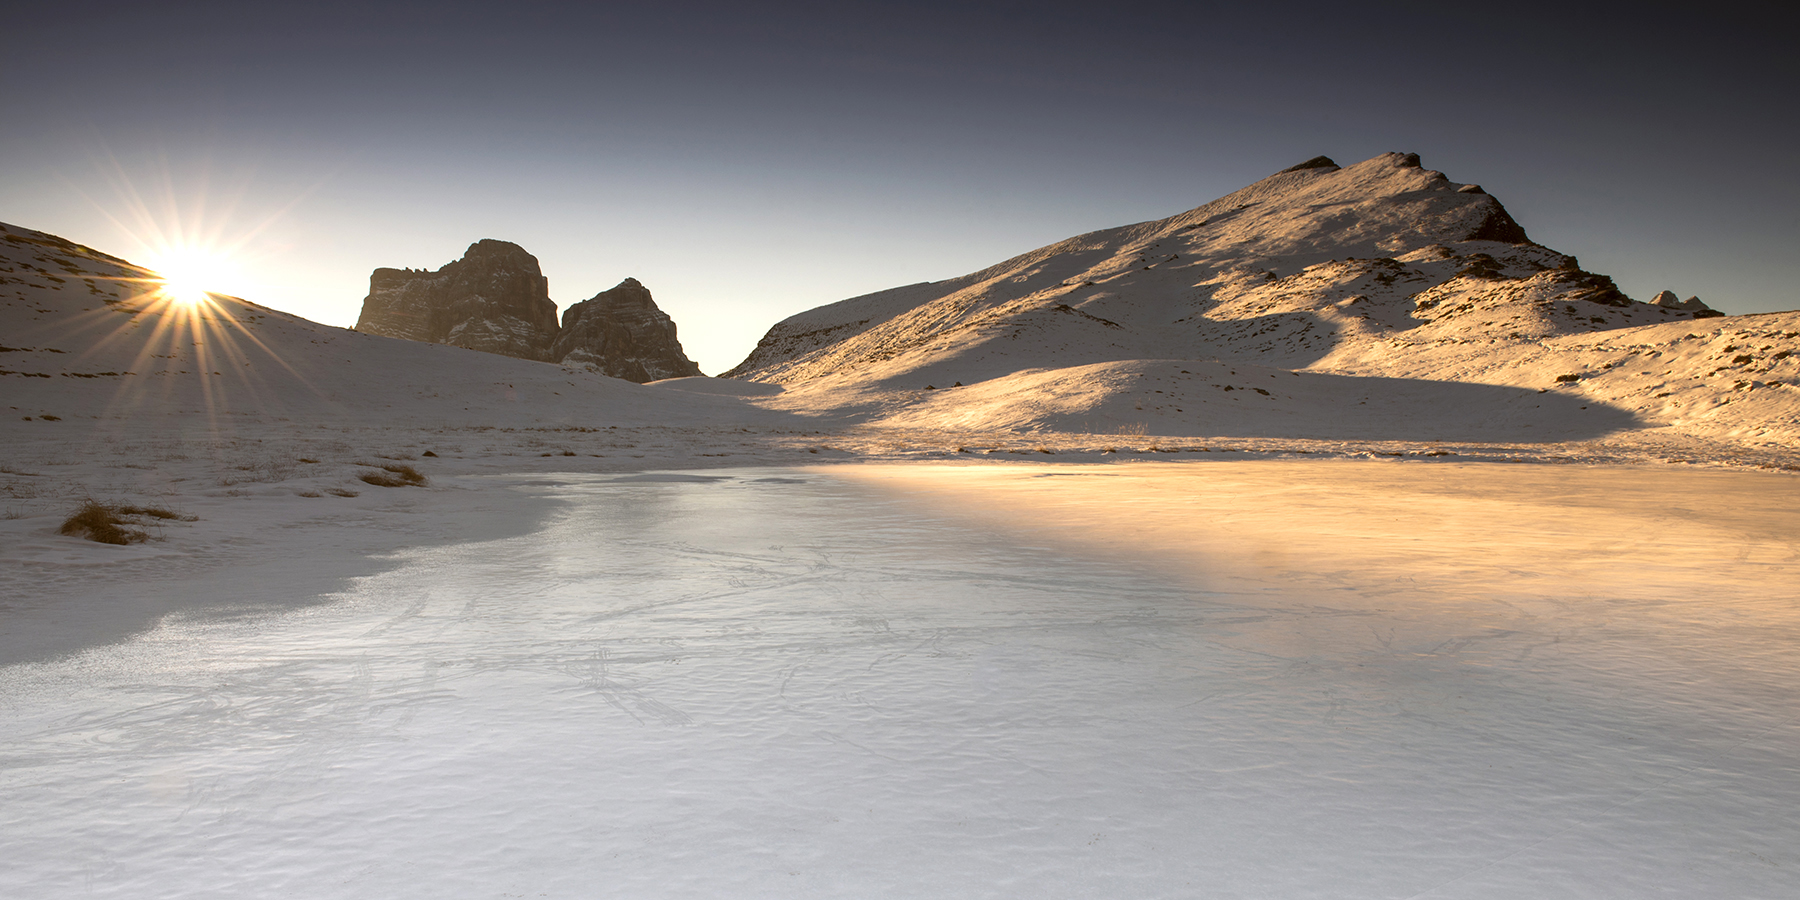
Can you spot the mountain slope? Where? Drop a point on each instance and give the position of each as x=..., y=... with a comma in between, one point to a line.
x=89, y=336
x=1382, y=270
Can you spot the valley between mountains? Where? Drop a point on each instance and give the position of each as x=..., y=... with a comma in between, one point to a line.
x=1378, y=310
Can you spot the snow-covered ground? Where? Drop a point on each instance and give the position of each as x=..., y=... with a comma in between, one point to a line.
x=1223, y=576
x=1382, y=298
x=1233, y=679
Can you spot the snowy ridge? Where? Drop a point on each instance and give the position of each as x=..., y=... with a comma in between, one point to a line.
x=1345, y=307
x=1383, y=271
x=87, y=337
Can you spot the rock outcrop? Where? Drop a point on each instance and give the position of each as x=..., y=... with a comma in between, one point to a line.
x=1667, y=300
x=495, y=299
x=620, y=332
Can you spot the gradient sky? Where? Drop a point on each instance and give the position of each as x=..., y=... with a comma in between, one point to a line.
x=747, y=163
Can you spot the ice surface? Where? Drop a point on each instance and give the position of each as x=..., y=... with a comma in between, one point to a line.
x=967, y=683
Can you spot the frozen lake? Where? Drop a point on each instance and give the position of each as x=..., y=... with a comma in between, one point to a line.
x=1279, y=679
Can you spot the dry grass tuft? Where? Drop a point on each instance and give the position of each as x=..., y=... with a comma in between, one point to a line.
x=107, y=523
x=156, y=512
x=394, y=475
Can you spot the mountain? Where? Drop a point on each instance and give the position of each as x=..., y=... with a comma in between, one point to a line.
x=1353, y=286
x=88, y=342
x=1323, y=309
x=496, y=299
x=620, y=332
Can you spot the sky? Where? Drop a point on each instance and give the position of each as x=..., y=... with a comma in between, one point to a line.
x=749, y=162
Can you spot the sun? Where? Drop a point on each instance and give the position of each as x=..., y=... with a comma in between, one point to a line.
x=188, y=274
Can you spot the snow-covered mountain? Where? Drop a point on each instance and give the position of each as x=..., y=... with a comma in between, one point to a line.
x=1367, y=283
x=1375, y=303
x=86, y=336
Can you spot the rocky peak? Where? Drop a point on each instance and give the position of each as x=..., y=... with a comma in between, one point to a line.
x=1317, y=162
x=1667, y=300
x=621, y=332
x=495, y=298
x=628, y=296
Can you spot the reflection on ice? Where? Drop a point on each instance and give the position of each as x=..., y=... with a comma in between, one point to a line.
x=951, y=683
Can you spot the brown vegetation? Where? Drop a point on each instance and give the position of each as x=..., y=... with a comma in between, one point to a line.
x=116, y=524
x=394, y=475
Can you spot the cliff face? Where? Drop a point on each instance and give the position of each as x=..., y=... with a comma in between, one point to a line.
x=620, y=332
x=495, y=299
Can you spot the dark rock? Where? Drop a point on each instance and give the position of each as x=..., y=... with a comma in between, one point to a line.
x=1483, y=266
x=1317, y=162
x=1498, y=225
x=621, y=333
x=495, y=299
x=1592, y=287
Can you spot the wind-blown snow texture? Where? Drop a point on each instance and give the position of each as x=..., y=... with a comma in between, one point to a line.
x=1315, y=679
x=1380, y=275
x=1373, y=679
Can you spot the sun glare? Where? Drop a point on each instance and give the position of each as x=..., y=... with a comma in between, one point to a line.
x=188, y=275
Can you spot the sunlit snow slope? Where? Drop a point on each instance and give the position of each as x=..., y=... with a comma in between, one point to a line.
x=87, y=335
x=1318, y=302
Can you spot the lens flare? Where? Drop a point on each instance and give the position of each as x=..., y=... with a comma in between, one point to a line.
x=187, y=274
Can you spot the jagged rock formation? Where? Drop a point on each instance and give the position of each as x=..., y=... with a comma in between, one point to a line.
x=495, y=299
x=1700, y=310
x=620, y=332
x=1315, y=266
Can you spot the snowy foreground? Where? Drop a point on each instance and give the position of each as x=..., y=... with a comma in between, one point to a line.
x=1279, y=679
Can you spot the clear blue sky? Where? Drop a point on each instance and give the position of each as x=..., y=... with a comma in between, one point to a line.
x=747, y=163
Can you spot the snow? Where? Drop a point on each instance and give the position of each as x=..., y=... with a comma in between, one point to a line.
x=1289, y=678
x=1212, y=569
x=1374, y=277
